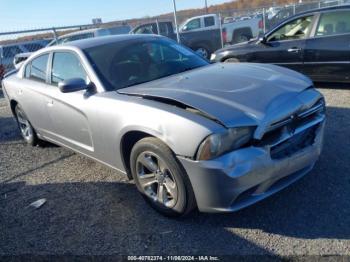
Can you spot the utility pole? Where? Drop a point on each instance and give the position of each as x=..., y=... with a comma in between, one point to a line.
x=176, y=26
x=206, y=6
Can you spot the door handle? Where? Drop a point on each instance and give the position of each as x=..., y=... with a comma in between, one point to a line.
x=50, y=102
x=294, y=50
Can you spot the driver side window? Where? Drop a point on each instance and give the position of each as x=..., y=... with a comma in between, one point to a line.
x=294, y=30
x=65, y=66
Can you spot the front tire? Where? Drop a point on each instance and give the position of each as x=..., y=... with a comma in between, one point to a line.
x=160, y=178
x=232, y=60
x=27, y=131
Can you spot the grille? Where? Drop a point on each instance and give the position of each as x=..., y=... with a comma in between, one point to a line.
x=294, y=144
x=301, y=129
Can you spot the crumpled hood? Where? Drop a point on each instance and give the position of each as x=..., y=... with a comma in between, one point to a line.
x=234, y=94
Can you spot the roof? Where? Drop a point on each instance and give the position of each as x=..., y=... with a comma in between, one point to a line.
x=97, y=41
x=339, y=7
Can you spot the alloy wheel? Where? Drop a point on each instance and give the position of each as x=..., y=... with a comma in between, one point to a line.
x=24, y=125
x=156, y=179
x=202, y=52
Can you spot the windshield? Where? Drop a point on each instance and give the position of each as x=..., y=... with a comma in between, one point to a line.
x=126, y=63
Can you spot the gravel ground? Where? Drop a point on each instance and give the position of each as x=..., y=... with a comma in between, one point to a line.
x=92, y=210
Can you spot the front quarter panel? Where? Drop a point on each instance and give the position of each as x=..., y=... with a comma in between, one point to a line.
x=118, y=114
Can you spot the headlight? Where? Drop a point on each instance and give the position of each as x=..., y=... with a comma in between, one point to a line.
x=212, y=57
x=218, y=144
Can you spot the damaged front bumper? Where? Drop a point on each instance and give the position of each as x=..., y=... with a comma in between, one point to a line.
x=246, y=176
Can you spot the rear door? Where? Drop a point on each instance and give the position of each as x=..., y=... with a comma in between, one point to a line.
x=327, y=54
x=285, y=45
x=32, y=94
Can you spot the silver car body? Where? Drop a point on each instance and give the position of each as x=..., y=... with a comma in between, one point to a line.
x=219, y=96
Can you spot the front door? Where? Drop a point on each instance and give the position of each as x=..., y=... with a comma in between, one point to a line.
x=66, y=110
x=285, y=45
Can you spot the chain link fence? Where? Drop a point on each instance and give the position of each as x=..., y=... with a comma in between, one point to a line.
x=235, y=26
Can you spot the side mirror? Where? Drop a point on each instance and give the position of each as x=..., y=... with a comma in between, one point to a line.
x=263, y=39
x=72, y=85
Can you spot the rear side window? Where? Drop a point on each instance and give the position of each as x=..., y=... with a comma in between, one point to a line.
x=146, y=29
x=193, y=24
x=36, y=70
x=66, y=66
x=209, y=21
x=334, y=23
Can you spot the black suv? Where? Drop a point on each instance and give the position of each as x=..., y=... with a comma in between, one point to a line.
x=316, y=43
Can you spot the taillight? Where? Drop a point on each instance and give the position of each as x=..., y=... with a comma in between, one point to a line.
x=261, y=24
x=224, y=35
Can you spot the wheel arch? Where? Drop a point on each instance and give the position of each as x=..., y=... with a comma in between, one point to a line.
x=128, y=141
x=13, y=104
x=205, y=44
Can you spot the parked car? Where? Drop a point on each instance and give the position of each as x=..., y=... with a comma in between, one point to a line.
x=315, y=43
x=202, y=33
x=8, y=52
x=79, y=35
x=90, y=33
x=189, y=133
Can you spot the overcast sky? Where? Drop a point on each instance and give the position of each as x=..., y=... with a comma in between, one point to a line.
x=32, y=14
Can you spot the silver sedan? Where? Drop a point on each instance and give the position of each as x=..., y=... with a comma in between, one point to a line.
x=191, y=134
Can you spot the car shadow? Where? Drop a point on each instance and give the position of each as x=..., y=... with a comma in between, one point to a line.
x=112, y=218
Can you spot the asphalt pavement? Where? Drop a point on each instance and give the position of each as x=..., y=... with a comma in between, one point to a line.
x=93, y=210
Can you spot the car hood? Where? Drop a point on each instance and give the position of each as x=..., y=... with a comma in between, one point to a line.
x=252, y=43
x=233, y=94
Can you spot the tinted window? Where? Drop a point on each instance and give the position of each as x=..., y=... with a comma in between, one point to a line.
x=296, y=29
x=128, y=63
x=209, y=21
x=165, y=28
x=103, y=32
x=146, y=29
x=193, y=24
x=66, y=66
x=33, y=47
x=334, y=23
x=79, y=37
x=38, y=68
x=11, y=51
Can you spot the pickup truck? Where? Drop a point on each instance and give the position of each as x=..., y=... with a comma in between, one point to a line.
x=203, y=42
x=202, y=33
x=235, y=32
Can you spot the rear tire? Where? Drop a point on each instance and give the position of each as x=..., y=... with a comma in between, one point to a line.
x=160, y=178
x=203, y=51
x=27, y=131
